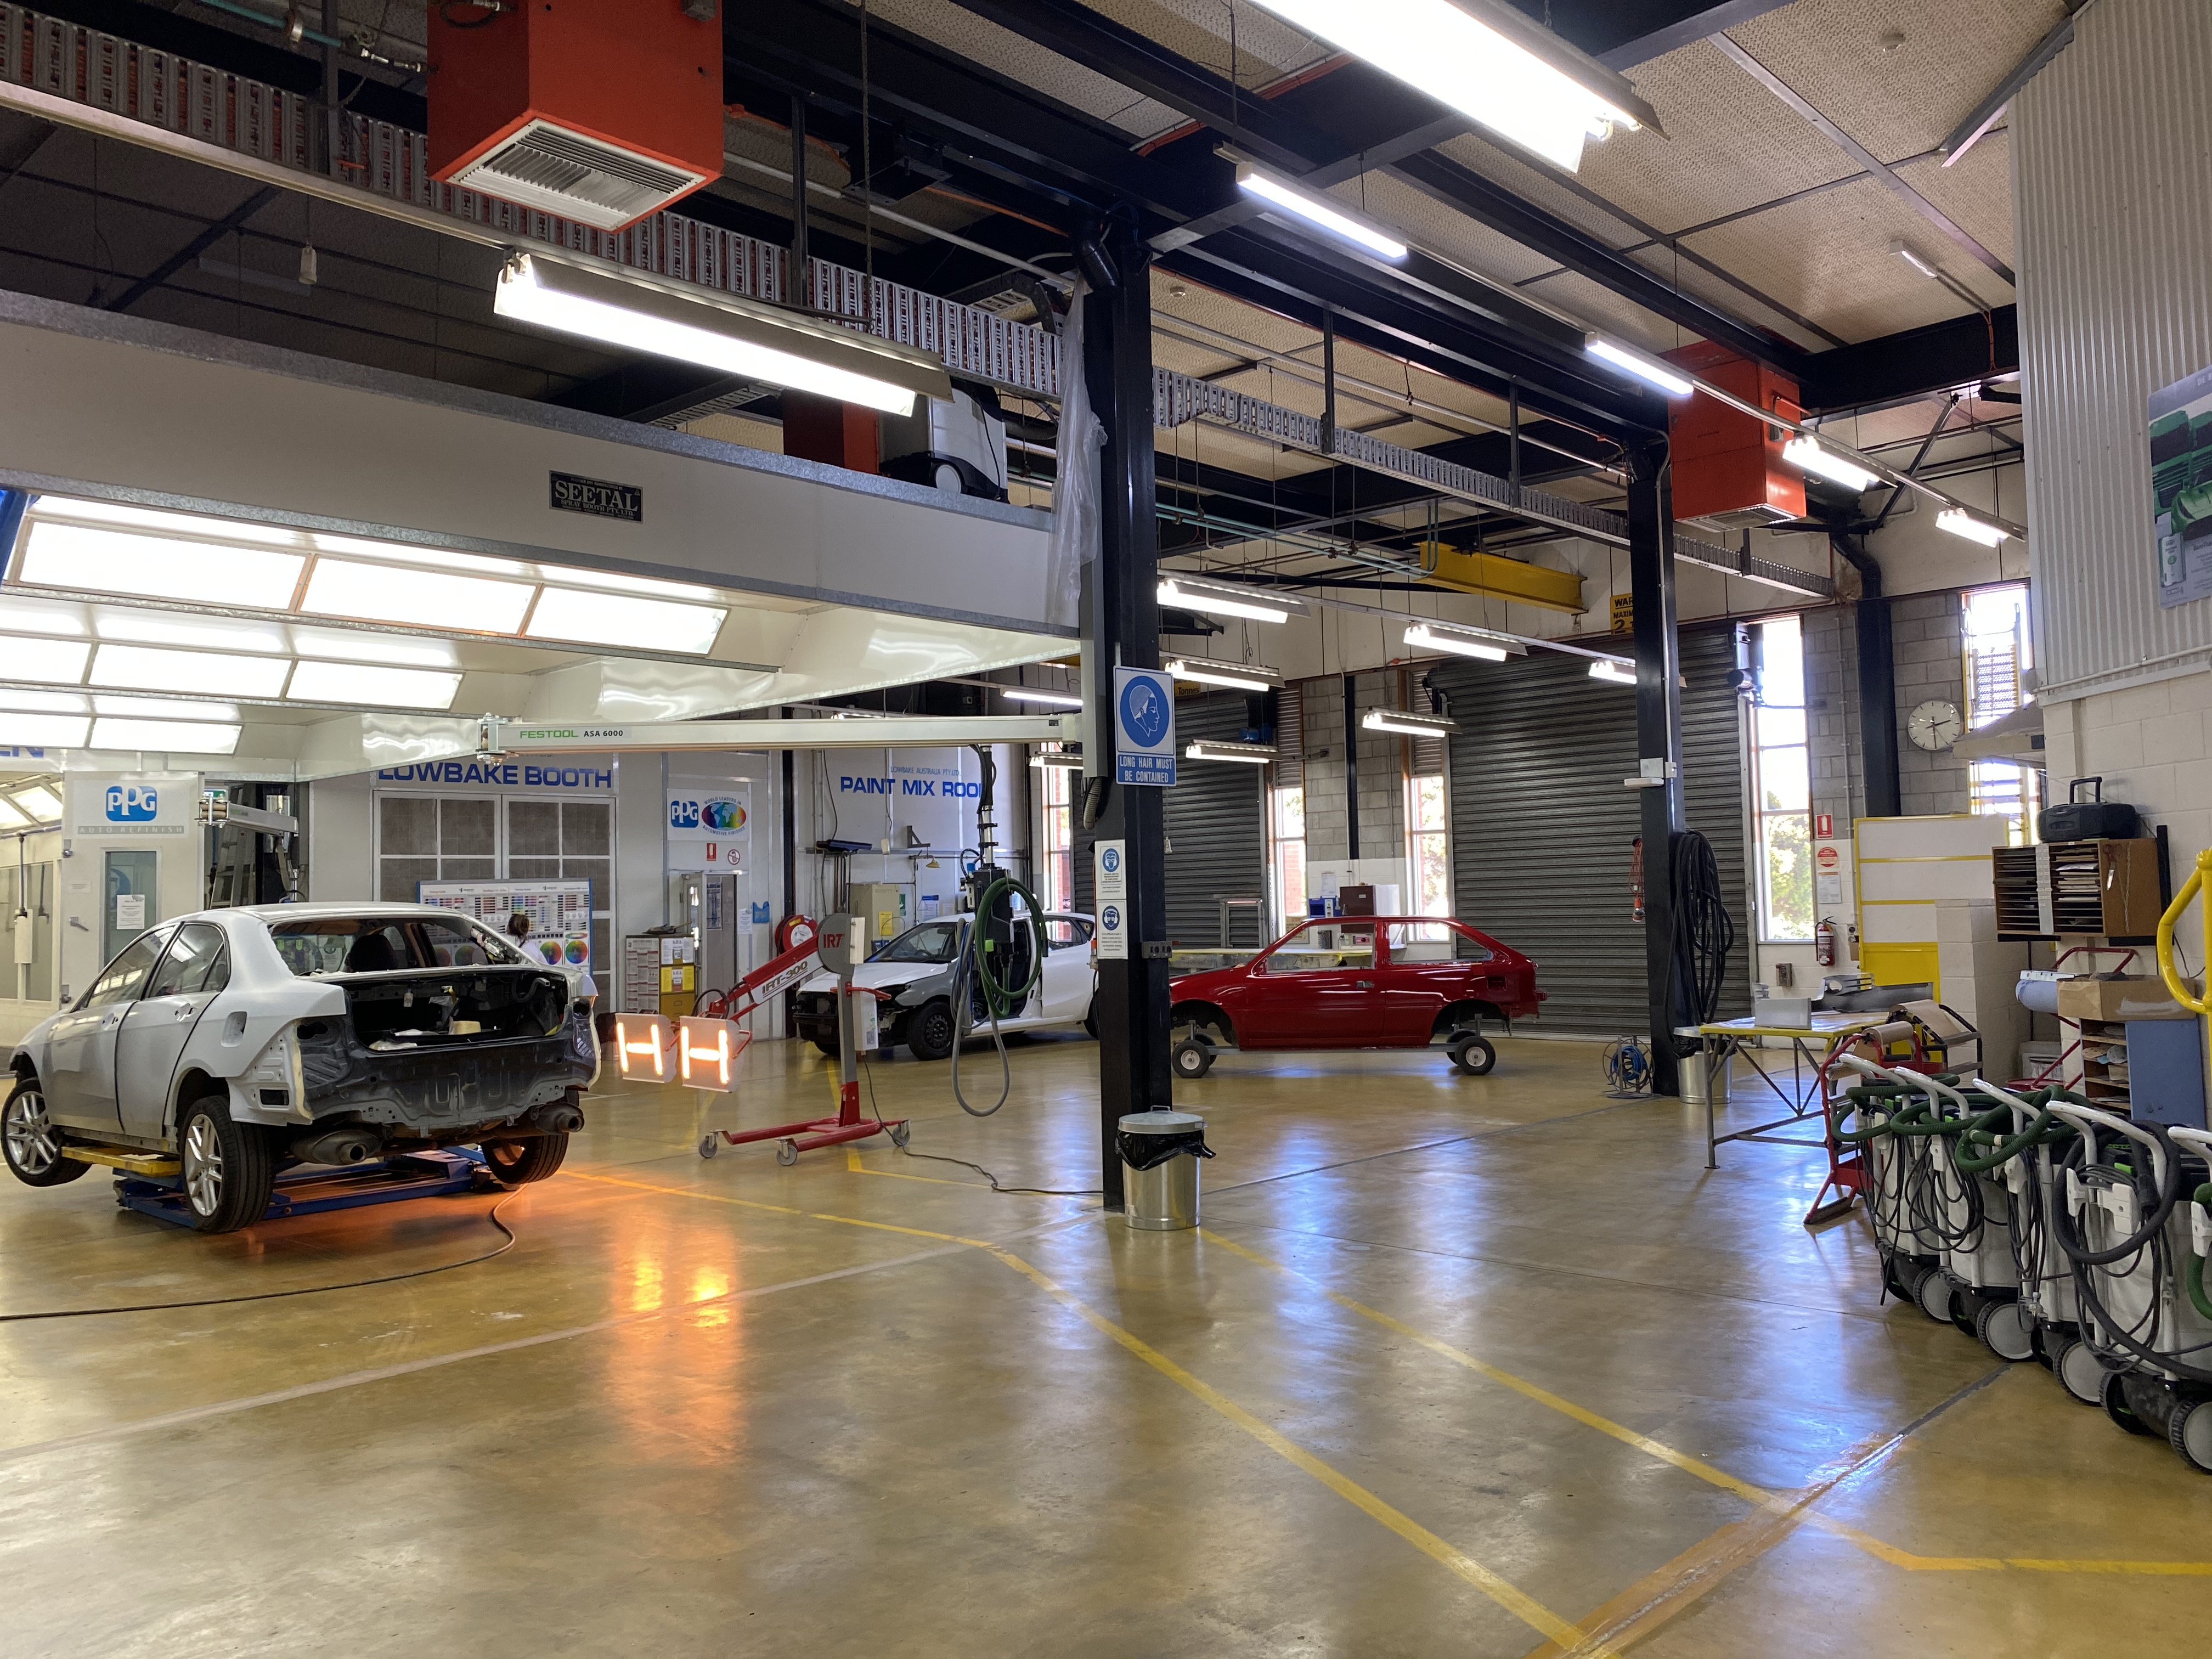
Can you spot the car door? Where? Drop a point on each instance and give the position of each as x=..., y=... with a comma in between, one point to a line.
x=151, y=1041
x=1316, y=990
x=1419, y=980
x=1069, y=974
x=80, y=1045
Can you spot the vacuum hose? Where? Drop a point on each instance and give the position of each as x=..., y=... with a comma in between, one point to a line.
x=1704, y=932
x=980, y=970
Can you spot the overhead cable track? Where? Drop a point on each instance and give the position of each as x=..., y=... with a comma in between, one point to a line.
x=86, y=78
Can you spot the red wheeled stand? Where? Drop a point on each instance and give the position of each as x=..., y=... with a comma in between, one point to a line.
x=793, y=1138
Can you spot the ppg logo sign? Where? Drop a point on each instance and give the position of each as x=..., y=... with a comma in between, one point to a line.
x=683, y=814
x=132, y=803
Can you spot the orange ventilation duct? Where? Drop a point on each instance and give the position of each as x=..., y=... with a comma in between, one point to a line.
x=597, y=111
x=1727, y=467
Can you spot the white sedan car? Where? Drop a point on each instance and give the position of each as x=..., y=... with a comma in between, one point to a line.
x=915, y=971
x=236, y=1041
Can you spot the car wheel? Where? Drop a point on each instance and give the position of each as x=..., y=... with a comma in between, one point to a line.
x=1472, y=1055
x=929, y=1032
x=32, y=1144
x=228, y=1167
x=828, y=1046
x=1090, y=1021
x=1193, y=1058
x=518, y=1163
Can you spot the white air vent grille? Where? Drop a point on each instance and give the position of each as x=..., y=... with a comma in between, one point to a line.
x=1745, y=517
x=561, y=172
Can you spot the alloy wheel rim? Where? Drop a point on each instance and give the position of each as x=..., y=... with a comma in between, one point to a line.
x=31, y=1139
x=203, y=1166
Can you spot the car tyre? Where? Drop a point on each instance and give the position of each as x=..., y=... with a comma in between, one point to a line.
x=228, y=1168
x=1090, y=1021
x=518, y=1162
x=929, y=1033
x=828, y=1046
x=1472, y=1055
x=32, y=1144
x=1193, y=1058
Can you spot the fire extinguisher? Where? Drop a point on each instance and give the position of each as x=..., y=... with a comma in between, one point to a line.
x=1824, y=942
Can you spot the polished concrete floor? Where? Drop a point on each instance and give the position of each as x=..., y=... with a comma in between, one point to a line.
x=1456, y=1367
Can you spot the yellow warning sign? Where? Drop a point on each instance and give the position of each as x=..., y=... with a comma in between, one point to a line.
x=1623, y=613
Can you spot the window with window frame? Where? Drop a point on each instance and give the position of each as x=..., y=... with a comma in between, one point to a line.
x=1057, y=797
x=1286, y=808
x=1998, y=650
x=1428, y=839
x=1781, y=798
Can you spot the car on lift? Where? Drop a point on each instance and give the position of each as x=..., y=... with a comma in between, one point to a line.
x=1357, y=982
x=913, y=976
x=240, y=1041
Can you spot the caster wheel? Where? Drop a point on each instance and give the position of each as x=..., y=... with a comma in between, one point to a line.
x=2078, y=1371
x=786, y=1151
x=1934, y=1295
x=2189, y=1430
x=709, y=1143
x=902, y=1133
x=1193, y=1058
x=2006, y=1330
x=1473, y=1055
x=1897, y=1277
x=2113, y=1397
x=1966, y=1312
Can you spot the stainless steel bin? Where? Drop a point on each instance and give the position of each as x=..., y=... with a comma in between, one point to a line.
x=1704, y=1077
x=1164, y=1197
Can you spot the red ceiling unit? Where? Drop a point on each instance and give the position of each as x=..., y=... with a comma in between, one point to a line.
x=598, y=111
x=1726, y=467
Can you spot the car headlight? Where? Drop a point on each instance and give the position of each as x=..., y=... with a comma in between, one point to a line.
x=894, y=991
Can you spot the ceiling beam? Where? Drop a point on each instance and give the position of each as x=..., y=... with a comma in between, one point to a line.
x=1273, y=131
x=1918, y=363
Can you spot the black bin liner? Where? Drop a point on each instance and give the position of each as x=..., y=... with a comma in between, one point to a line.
x=1142, y=1152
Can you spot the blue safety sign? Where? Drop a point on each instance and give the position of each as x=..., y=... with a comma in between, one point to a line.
x=1144, y=727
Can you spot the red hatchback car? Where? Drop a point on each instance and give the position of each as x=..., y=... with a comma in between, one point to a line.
x=1357, y=982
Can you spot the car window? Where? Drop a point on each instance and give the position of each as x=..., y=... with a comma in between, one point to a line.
x=929, y=941
x=196, y=956
x=124, y=978
x=1321, y=948
x=1424, y=941
x=379, y=945
x=1065, y=933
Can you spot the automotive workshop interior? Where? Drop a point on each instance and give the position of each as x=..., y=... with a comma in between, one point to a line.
x=1078, y=827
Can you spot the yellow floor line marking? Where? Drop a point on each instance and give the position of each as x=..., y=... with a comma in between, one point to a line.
x=1515, y=1602
x=1795, y=1509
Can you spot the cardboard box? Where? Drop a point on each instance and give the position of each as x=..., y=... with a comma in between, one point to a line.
x=2136, y=996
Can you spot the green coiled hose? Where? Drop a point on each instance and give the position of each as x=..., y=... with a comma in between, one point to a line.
x=979, y=967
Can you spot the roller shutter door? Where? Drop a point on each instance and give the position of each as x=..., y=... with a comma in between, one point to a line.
x=1541, y=826
x=1215, y=824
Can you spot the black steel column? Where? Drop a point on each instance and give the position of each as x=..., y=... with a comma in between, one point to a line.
x=1877, y=671
x=795, y=291
x=1658, y=739
x=1134, y=1070
x=1352, y=766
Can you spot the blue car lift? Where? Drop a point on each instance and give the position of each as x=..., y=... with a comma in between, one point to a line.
x=312, y=1188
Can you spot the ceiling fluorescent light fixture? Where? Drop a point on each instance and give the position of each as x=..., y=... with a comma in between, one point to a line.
x=141, y=668
x=1228, y=599
x=44, y=703
x=41, y=803
x=393, y=650
x=393, y=687
x=10, y=819
x=211, y=571
x=736, y=337
x=44, y=732
x=1317, y=211
x=165, y=709
x=1807, y=452
x=1031, y=694
x=1483, y=59
x=167, y=736
x=1238, y=676
x=1251, y=754
x=1612, y=669
x=1905, y=253
x=1409, y=725
x=617, y=619
x=53, y=662
x=1645, y=368
x=1959, y=522
x=417, y=599
x=1464, y=642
